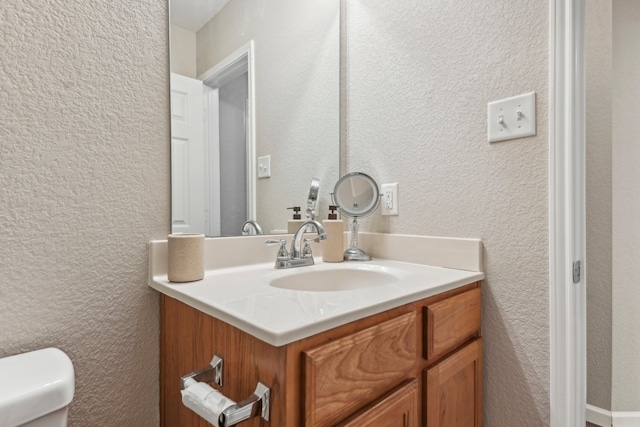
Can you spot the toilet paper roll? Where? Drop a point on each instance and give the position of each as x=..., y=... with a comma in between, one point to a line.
x=205, y=401
x=186, y=257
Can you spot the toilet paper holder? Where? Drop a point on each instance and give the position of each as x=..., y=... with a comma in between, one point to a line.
x=252, y=406
x=255, y=405
x=210, y=373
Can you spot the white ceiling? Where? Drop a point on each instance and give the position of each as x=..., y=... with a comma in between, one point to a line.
x=193, y=14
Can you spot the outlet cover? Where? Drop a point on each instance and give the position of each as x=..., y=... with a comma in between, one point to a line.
x=512, y=118
x=389, y=200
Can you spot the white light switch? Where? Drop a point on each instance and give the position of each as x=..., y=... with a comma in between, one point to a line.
x=264, y=167
x=512, y=118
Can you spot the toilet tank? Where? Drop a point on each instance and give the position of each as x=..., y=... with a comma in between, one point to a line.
x=35, y=386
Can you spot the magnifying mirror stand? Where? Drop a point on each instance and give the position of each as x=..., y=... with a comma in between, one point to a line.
x=356, y=195
x=354, y=253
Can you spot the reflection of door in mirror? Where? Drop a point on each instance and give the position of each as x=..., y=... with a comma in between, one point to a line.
x=210, y=180
x=187, y=152
x=214, y=148
x=231, y=143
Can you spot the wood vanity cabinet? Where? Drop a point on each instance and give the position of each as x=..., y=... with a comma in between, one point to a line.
x=416, y=365
x=453, y=386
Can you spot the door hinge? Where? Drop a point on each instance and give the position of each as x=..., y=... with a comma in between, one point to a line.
x=576, y=272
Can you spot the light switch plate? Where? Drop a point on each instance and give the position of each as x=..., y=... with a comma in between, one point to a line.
x=512, y=118
x=264, y=167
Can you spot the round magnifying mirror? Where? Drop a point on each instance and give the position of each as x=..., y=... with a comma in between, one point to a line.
x=356, y=194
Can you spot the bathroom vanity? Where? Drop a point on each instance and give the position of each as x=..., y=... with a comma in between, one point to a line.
x=395, y=354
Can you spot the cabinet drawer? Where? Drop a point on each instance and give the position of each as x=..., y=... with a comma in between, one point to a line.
x=398, y=409
x=348, y=373
x=451, y=322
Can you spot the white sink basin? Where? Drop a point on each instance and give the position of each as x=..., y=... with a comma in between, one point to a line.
x=343, y=279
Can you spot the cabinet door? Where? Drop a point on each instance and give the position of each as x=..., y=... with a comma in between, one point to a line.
x=398, y=409
x=347, y=374
x=453, y=389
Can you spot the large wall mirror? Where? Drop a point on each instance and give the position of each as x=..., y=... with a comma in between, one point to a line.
x=255, y=111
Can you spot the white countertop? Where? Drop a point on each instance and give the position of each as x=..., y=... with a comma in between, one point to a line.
x=242, y=296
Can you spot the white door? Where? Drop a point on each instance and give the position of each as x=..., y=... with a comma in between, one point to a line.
x=187, y=155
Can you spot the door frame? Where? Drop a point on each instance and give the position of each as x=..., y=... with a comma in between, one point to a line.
x=215, y=77
x=212, y=154
x=567, y=300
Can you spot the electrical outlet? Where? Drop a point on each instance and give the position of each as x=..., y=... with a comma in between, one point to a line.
x=390, y=199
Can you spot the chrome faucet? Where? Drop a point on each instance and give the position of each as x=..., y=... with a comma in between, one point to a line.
x=248, y=224
x=296, y=243
x=297, y=257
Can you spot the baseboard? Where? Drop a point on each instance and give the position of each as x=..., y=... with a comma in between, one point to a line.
x=625, y=419
x=604, y=418
x=598, y=416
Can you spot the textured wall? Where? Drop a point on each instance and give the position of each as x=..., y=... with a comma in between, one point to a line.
x=598, y=176
x=84, y=165
x=626, y=206
x=297, y=94
x=85, y=161
x=419, y=77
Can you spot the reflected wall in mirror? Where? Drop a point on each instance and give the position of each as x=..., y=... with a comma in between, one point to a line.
x=252, y=80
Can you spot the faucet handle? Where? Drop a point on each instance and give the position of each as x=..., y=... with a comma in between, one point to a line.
x=272, y=242
x=306, y=252
x=282, y=251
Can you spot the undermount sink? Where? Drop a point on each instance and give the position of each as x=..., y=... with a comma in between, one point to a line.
x=335, y=280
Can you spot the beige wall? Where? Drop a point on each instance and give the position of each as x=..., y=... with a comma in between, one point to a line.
x=84, y=166
x=598, y=176
x=626, y=206
x=85, y=162
x=297, y=46
x=419, y=77
x=183, y=52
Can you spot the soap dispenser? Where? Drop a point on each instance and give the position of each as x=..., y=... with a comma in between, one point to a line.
x=333, y=246
x=296, y=222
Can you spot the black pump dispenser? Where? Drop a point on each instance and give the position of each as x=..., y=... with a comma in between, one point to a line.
x=332, y=212
x=296, y=212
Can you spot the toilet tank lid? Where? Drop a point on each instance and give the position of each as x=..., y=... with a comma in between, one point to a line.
x=34, y=384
